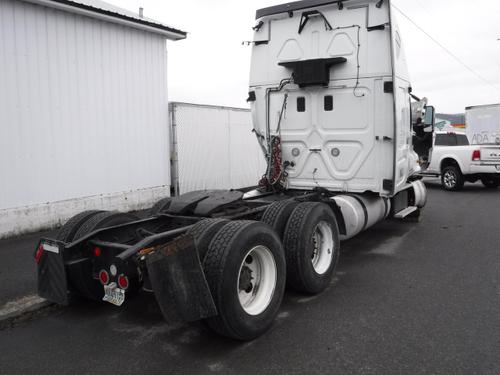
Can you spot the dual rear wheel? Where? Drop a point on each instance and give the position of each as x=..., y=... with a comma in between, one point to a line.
x=245, y=269
x=310, y=237
x=312, y=247
x=247, y=263
x=82, y=278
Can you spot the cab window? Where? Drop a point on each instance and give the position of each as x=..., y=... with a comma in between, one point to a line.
x=462, y=140
x=446, y=140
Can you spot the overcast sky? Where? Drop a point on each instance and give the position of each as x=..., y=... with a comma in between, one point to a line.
x=212, y=66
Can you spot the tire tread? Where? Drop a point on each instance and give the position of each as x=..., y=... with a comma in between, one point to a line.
x=274, y=215
x=68, y=230
x=203, y=231
x=92, y=223
x=460, y=178
x=213, y=266
x=292, y=232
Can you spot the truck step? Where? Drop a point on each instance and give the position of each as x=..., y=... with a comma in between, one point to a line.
x=404, y=213
x=428, y=174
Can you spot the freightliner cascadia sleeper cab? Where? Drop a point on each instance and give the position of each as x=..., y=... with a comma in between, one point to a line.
x=331, y=105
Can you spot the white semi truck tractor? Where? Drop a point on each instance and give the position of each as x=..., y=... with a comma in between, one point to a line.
x=331, y=104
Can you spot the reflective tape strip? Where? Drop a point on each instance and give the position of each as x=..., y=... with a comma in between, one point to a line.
x=51, y=248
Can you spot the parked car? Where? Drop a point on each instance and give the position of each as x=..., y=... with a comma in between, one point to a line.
x=456, y=161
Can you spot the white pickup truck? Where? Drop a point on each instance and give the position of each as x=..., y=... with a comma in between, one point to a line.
x=456, y=161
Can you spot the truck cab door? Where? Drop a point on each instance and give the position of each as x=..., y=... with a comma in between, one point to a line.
x=423, y=138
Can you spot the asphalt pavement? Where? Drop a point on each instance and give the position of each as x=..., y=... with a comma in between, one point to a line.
x=18, y=267
x=407, y=299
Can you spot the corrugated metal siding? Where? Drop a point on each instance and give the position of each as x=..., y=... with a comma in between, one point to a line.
x=83, y=107
x=216, y=148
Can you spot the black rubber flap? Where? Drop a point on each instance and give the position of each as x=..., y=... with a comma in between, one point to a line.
x=203, y=202
x=312, y=72
x=52, y=282
x=179, y=283
x=217, y=200
x=186, y=203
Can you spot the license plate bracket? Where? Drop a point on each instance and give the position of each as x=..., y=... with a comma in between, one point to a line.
x=113, y=294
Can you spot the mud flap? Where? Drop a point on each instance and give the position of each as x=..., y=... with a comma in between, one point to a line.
x=52, y=282
x=178, y=281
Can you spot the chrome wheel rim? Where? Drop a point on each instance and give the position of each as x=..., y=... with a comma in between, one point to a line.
x=450, y=179
x=323, y=248
x=257, y=280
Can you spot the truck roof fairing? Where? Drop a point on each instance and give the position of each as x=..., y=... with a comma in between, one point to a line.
x=296, y=5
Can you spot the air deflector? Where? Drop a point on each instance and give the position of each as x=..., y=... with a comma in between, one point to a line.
x=312, y=72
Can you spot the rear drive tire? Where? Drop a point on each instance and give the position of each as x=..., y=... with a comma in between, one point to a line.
x=69, y=229
x=245, y=270
x=490, y=182
x=312, y=247
x=452, y=178
x=102, y=220
x=277, y=215
x=82, y=276
x=203, y=232
x=160, y=206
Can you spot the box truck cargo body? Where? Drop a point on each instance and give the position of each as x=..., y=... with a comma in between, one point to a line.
x=483, y=124
x=213, y=148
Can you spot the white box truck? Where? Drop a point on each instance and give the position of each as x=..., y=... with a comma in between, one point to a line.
x=213, y=147
x=330, y=97
x=474, y=156
x=483, y=124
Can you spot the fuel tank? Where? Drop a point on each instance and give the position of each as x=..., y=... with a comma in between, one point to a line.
x=361, y=212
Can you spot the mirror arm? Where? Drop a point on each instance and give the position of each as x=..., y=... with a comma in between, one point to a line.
x=415, y=97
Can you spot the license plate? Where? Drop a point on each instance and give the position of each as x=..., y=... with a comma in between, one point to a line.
x=498, y=167
x=113, y=294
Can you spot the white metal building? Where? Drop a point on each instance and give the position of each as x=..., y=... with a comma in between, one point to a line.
x=83, y=111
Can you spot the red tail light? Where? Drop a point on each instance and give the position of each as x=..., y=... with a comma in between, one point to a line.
x=476, y=155
x=104, y=277
x=123, y=281
x=38, y=254
x=97, y=251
